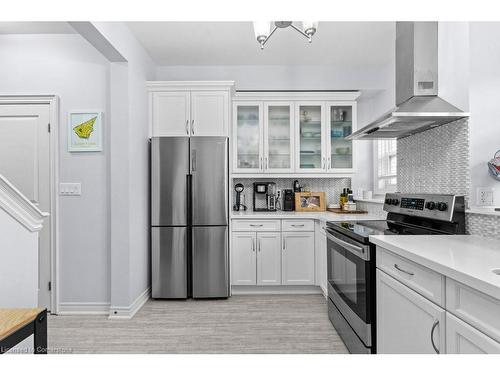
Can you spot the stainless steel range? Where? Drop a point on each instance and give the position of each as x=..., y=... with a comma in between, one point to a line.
x=351, y=258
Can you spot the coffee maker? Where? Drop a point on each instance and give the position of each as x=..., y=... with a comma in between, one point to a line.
x=264, y=196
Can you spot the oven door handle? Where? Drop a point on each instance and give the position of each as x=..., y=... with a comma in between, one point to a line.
x=356, y=250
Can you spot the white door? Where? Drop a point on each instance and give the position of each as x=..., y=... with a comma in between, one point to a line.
x=244, y=258
x=209, y=113
x=462, y=338
x=298, y=258
x=25, y=162
x=407, y=323
x=269, y=258
x=278, y=137
x=171, y=114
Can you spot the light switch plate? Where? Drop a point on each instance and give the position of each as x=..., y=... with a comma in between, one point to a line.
x=70, y=188
x=485, y=196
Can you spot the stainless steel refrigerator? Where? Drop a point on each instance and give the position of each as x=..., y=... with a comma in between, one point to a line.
x=189, y=217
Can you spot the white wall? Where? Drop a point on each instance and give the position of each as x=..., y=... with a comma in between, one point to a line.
x=484, y=103
x=19, y=265
x=67, y=66
x=130, y=258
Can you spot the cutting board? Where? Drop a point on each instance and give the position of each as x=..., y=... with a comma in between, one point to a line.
x=344, y=212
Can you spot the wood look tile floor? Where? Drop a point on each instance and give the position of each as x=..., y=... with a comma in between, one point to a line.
x=240, y=324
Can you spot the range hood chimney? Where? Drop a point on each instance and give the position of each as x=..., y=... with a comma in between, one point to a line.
x=418, y=106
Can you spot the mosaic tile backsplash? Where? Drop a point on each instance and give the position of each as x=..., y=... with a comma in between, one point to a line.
x=331, y=186
x=437, y=161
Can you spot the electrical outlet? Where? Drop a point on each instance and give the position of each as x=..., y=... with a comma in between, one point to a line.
x=70, y=188
x=484, y=196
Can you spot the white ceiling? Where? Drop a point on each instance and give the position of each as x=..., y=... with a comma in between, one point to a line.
x=233, y=43
x=36, y=28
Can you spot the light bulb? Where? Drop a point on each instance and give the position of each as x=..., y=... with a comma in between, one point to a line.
x=309, y=28
x=261, y=30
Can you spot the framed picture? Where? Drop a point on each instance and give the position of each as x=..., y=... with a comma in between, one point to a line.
x=310, y=202
x=85, y=131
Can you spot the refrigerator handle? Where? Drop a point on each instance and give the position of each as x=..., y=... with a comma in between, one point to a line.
x=193, y=161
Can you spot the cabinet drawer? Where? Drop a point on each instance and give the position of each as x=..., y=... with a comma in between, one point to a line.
x=474, y=307
x=298, y=225
x=256, y=225
x=428, y=283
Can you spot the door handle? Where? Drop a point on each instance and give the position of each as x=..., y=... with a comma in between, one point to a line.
x=284, y=243
x=266, y=163
x=192, y=126
x=256, y=225
x=329, y=164
x=402, y=270
x=260, y=164
x=297, y=225
x=323, y=163
x=258, y=245
x=187, y=127
x=253, y=245
x=436, y=323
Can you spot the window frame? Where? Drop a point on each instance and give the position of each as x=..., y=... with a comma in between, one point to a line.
x=376, y=178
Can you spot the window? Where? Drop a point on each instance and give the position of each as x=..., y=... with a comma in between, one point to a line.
x=385, y=163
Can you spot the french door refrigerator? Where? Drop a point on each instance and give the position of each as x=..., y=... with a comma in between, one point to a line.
x=189, y=217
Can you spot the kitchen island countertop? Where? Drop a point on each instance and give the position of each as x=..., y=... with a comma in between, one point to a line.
x=468, y=259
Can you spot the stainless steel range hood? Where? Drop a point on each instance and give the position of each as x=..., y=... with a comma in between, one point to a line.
x=418, y=108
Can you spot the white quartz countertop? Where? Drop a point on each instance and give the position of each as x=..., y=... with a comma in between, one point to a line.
x=324, y=216
x=466, y=259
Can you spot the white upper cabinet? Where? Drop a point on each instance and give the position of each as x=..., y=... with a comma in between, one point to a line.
x=247, y=137
x=189, y=108
x=278, y=137
x=294, y=133
x=209, y=113
x=170, y=112
x=341, y=122
x=311, y=144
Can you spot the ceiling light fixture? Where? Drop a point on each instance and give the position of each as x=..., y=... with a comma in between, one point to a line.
x=263, y=30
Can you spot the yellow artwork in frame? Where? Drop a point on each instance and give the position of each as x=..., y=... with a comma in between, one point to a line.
x=85, y=131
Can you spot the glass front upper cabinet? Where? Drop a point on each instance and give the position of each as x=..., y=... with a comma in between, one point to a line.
x=248, y=137
x=278, y=134
x=310, y=138
x=341, y=119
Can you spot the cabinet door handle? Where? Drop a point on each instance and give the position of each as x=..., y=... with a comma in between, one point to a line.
x=258, y=245
x=329, y=162
x=266, y=163
x=192, y=126
x=436, y=323
x=402, y=270
x=256, y=225
x=253, y=245
x=187, y=127
x=260, y=165
x=297, y=225
x=284, y=243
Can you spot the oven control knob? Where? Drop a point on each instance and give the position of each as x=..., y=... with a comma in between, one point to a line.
x=442, y=206
x=388, y=200
x=430, y=205
x=394, y=202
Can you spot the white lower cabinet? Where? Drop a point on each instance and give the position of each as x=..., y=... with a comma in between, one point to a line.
x=406, y=321
x=298, y=258
x=462, y=338
x=268, y=258
x=256, y=258
x=320, y=254
x=243, y=258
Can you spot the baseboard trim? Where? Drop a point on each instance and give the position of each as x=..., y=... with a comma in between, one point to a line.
x=278, y=289
x=83, y=308
x=128, y=312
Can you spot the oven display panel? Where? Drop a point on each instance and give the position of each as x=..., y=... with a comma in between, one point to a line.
x=413, y=203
